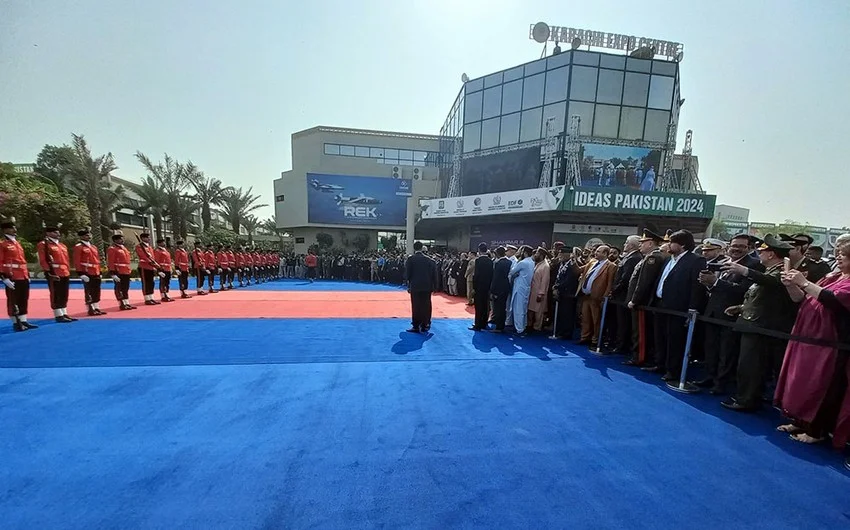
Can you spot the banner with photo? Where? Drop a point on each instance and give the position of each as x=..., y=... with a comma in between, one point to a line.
x=520, y=201
x=353, y=200
x=619, y=166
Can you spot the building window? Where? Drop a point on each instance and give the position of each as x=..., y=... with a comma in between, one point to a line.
x=583, y=83
x=384, y=155
x=556, y=85
x=556, y=111
x=530, y=127
x=606, y=121
x=299, y=240
x=278, y=198
x=331, y=149
x=661, y=92
x=631, y=123
x=610, y=89
x=489, y=133
x=636, y=89
x=346, y=150
x=656, y=125
x=492, y=102
x=472, y=110
x=532, y=93
x=472, y=137
x=509, y=133
x=585, y=113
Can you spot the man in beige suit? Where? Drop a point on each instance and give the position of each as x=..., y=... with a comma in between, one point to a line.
x=597, y=277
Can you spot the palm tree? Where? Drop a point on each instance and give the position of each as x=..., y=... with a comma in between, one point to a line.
x=209, y=192
x=238, y=204
x=88, y=179
x=153, y=201
x=251, y=223
x=173, y=177
x=111, y=200
x=270, y=225
x=184, y=209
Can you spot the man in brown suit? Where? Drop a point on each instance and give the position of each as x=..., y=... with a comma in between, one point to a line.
x=597, y=277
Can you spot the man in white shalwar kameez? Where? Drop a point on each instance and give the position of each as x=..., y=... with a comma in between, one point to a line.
x=510, y=253
x=521, y=275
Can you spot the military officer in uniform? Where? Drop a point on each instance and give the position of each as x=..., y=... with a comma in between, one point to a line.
x=55, y=262
x=15, y=276
x=639, y=294
x=223, y=269
x=118, y=265
x=181, y=264
x=767, y=305
x=87, y=265
x=209, y=263
x=148, y=267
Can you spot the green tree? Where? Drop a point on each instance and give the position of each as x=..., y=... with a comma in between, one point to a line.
x=55, y=164
x=90, y=181
x=112, y=199
x=389, y=243
x=153, y=201
x=250, y=223
x=209, y=192
x=271, y=226
x=173, y=177
x=221, y=236
x=324, y=240
x=789, y=227
x=719, y=229
x=361, y=242
x=238, y=204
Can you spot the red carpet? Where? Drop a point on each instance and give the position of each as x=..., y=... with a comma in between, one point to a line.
x=247, y=303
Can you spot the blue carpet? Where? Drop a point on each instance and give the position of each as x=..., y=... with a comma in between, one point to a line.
x=352, y=424
x=276, y=285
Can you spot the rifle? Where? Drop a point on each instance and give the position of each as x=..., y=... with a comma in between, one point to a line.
x=148, y=254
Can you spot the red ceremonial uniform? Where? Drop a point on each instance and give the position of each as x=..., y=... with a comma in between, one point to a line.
x=86, y=259
x=13, y=263
x=53, y=258
x=209, y=259
x=118, y=259
x=231, y=258
x=163, y=258
x=223, y=259
x=240, y=259
x=146, y=258
x=181, y=260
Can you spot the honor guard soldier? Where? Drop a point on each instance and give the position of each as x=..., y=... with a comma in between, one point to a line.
x=223, y=266
x=200, y=267
x=209, y=262
x=639, y=294
x=181, y=264
x=15, y=276
x=148, y=267
x=163, y=259
x=231, y=268
x=118, y=265
x=56, y=264
x=87, y=264
x=239, y=256
x=248, y=264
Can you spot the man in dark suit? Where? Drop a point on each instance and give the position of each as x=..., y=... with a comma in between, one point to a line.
x=500, y=289
x=482, y=277
x=631, y=257
x=678, y=289
x=766, y=305
x=564, y=293
x=420, y=273
x=725, y=289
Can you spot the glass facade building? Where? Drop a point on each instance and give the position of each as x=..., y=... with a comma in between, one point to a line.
x=619, y=99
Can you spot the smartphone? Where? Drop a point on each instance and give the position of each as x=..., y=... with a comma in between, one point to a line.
x=713, y=267
x=787, y=263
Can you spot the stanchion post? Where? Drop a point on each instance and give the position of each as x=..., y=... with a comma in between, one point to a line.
x=683, y=386
x=555, y=323
x=598, y=350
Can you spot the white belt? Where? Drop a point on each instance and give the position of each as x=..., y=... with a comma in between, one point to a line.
x=55, y=265
x=12, y=265
x=88, y=264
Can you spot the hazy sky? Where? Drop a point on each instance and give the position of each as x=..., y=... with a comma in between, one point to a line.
x=225, y=83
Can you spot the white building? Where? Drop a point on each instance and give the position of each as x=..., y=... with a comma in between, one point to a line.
x=335, y=185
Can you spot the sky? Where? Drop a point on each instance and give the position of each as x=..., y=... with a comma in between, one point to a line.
x=225, y=84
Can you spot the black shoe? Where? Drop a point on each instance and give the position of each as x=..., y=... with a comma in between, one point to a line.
x=413, y=330
x=847, y=464
x=69, y=319
x=426, y=329
x=717, y=390
x=63, y=319
x=473, y=328
x=202, y=293
x=28, y=325
x=17, y=326
x=583, y=343
x=708, y=382
x=669, y=376
x=650, y=368
x=731, y=404
x=185, y=296
x=99, y=312
x=151, y=302
x=630, y=362
x=92, y=313
x=497, y=330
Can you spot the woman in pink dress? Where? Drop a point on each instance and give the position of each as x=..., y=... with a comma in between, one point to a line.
x=812, y=389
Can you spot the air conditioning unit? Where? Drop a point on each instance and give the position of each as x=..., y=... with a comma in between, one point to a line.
x=396, y=172
x=417, y=173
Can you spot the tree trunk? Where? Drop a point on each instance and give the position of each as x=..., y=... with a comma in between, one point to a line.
x=206, y=216
x=157, y=225
x=234, y=224
x=250, y=238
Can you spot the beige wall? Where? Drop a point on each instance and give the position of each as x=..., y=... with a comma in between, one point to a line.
x=308, y=157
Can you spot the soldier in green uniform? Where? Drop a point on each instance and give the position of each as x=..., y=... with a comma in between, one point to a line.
x=766, y=305
x=641, y=288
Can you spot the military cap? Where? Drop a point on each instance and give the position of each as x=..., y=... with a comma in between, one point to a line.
x=116, y=234
x=797, y=239
x=84, y=231
x=710, y=243
x=649, y=235
x=51, y=227
x=772, y=243
x=7, y=223
x=510, y=247
x=145, y=233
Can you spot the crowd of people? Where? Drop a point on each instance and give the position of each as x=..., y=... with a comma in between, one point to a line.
x=377, y=267
x=749, y=294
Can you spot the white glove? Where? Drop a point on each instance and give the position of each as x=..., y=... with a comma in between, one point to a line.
x=9, y=283
x=219, y=270
x=85, y=278
x=207, y=271
x=162, y=275
x=115, y=278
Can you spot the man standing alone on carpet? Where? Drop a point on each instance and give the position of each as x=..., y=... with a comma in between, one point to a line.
x=54, y=261
x=482, y=277
x=420, y=272
x=15, y=276
x=87, y=264
x=521, y=274
x=311, y=261
x=538, y=302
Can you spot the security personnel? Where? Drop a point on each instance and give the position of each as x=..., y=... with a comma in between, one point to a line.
x=15, y=276
x=239, y=260
x=87, y=264
x=231, y=269
x=118, y=265
x=54, y=261
x=209, y=262
x=163, y=259
x=639, y=294
x=181, y=264
x=200, y=266
x=148, y=267
x=800, y=244
x=223, y=261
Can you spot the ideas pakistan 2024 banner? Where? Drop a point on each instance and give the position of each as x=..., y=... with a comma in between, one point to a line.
x=353, y=200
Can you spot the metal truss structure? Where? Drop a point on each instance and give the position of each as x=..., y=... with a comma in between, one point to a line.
x=454, y=177
x=572, y=152
x=548, y=153
x=668, y=178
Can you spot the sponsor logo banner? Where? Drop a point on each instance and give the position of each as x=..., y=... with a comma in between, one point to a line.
x=520, y=201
